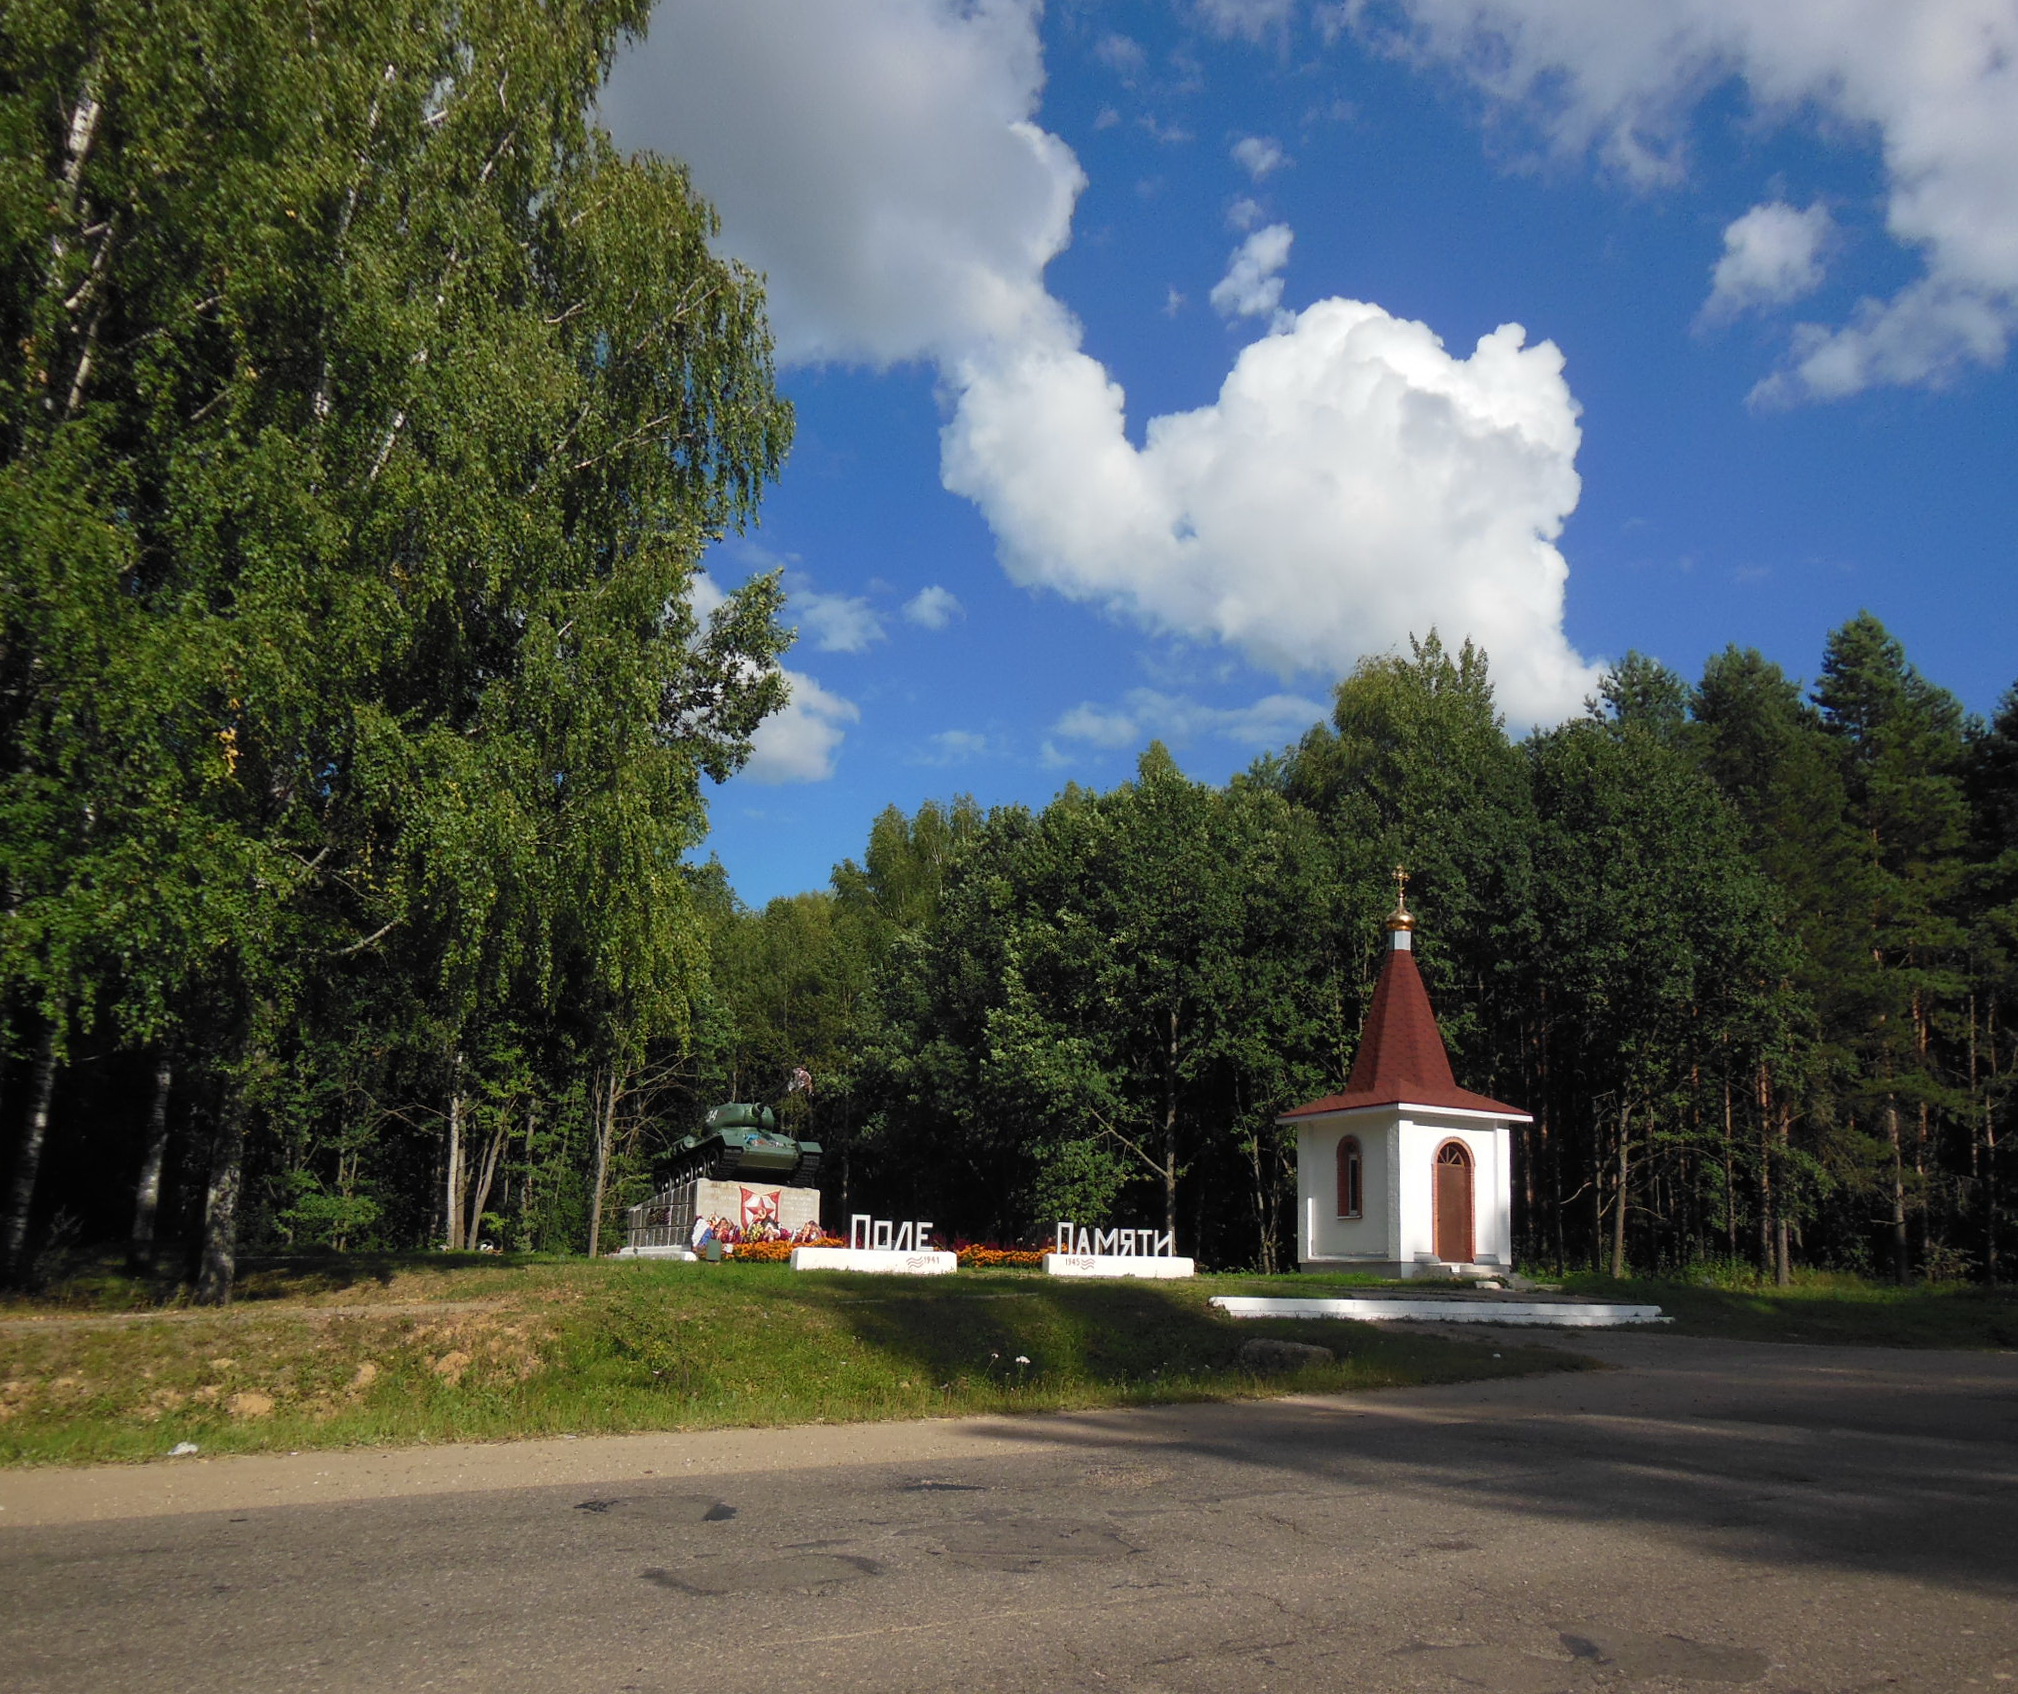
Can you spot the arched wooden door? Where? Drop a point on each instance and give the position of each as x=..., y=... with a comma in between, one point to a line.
x=1454, y=1203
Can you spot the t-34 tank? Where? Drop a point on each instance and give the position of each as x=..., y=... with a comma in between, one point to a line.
x=741, y=1143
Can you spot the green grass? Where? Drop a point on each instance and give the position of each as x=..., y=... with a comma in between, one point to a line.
x=346, y=1352
x=1822, y=1307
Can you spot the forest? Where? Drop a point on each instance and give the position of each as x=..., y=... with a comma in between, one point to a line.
x=365, y=419
x=1745, y=950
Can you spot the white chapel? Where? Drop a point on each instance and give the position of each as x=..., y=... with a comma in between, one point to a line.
x=1405, y=1174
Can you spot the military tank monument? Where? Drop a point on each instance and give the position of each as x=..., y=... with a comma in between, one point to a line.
x=739, y=1169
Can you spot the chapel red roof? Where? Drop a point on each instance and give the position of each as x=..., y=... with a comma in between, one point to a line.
x=1402, y=1059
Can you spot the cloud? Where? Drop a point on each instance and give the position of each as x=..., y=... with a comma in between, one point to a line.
x=1244, y=213
x=1259, y=155
x=1353, y=484
x=1253, y=19
x=799, y=743
x=1252, y=286
x=1121, y=53
x=1936, y=82
x=875, y=159
x=705, y=596
x=933, y=607
x=1149, y=714
x=1101, y=725
x=953, y=747
x=1772, y=254
x=838, y=623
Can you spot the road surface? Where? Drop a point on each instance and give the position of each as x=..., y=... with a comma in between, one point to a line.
x=1702, y=1515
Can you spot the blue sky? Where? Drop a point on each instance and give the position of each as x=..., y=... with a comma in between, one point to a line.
x=1764, y=262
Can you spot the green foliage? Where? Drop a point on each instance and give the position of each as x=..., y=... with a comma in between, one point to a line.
x=362, y=418
x=1703, y=933
x=1114, y=999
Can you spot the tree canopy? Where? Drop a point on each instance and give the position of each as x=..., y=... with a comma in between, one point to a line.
x=362, y=418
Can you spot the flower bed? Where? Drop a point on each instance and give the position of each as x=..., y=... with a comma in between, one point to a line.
x=776, y=1252
x=972, y=1255
x=979, y=1255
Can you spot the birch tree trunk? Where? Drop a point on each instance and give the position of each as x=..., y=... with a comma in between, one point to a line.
x=480, y=1198
x=218, y=1267
x=526, y=1188
x=606, y=1131
x=452, y=1183
x=1619, y=1204
x=28, y=1157
x=1170, y=1134
x=147, y=1192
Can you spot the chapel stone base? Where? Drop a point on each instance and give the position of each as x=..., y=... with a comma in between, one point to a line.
x=1401, y=1270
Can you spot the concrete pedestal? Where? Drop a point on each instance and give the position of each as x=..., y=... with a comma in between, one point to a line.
x=1117, y=1264
x=1484, y=1308
x=667, y=1219
x=880, y=1261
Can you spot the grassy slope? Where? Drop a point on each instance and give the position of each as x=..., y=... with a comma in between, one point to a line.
x=1823, y=1308
x=368, y=1352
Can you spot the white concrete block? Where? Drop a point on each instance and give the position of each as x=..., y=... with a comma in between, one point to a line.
x=1117, y=1264
x=881, y=1262
x=1566, y=1314
x=682, y=1254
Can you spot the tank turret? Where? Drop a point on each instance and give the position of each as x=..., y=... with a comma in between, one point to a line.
x=740, y=1142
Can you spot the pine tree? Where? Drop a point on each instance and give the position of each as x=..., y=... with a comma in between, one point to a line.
x=1900, y=742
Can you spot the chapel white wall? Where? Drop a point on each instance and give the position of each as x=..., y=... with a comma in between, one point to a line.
x=1321, y=1232
x=1490, y=1145
x=1398, y=1188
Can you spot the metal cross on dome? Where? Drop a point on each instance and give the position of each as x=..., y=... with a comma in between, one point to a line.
x=1402, y=917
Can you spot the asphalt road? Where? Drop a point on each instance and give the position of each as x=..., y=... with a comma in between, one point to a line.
x=1704, y=1515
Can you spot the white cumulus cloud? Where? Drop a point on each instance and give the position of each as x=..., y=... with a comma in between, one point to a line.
x=1936, y=81
x=1352, y=484
x=1259, y=155
x=837, y=623
x=1772, y=254
x=1252, y=286
x=876, y=159
x=934, y=607
x=799, y=743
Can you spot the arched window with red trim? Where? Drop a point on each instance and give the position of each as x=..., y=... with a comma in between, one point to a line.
x=1351, y=1178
